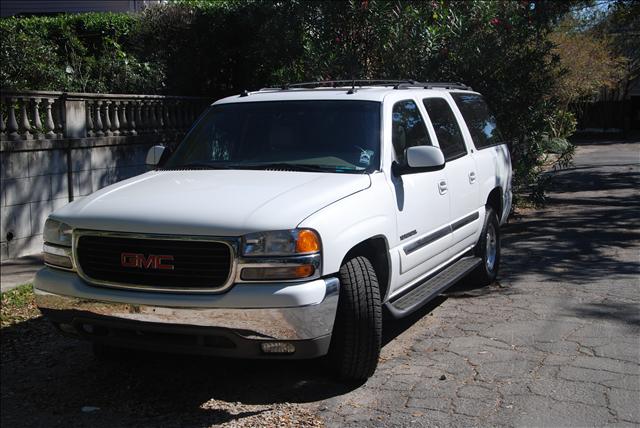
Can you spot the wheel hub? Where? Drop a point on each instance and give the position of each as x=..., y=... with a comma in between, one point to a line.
x=492, y=247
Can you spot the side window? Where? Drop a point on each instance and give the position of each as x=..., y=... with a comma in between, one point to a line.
x=408, y=128
x=446, y=127
x=481, y=123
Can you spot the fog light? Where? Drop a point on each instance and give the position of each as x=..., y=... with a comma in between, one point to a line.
x=278, y=348
x=57, y=256
x=274, y=273
x=56, y=260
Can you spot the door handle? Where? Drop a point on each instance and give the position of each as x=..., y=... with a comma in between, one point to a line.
x=472, y=177
x=442, y=187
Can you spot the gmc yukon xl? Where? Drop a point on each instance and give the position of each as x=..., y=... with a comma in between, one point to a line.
x=285, y=223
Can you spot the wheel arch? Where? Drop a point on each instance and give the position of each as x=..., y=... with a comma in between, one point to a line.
x=495, y=201
x=376, y=249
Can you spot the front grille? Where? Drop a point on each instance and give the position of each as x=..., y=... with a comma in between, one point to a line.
x=198, y=265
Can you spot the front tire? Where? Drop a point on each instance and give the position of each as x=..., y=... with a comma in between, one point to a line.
x=488, y=249
x=357, y=333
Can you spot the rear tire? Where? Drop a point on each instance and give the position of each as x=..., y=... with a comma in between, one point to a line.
x=357, y=333
x=488, y=249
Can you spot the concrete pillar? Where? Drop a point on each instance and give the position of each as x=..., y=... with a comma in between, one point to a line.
x=75, y=125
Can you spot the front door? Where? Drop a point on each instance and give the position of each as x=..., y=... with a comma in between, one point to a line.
x=422, y=200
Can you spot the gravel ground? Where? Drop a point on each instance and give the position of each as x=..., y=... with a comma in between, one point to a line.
x=555, y=343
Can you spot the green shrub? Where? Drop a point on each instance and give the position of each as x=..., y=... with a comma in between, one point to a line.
x=217, y=48
x=85, y=53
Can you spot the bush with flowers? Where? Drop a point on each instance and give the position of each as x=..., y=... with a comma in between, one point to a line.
x=500, y=48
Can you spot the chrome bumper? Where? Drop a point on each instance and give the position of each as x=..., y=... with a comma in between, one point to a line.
x=68, y=296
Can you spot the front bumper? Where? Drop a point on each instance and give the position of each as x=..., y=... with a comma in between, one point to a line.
x=239, y=321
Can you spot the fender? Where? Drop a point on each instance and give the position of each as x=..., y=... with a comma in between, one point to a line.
x=352, y=220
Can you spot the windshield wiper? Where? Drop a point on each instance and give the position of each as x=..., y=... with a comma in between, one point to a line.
x=283, y=165
x=203, y=165
x=263, y=165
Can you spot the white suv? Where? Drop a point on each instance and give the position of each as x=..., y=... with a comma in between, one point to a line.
x=284, y=223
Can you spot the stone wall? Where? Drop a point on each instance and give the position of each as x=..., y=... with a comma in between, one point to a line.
x=59, y=147
x=38, y=178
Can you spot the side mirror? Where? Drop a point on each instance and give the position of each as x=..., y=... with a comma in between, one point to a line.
x=154, y=155
x=421, y=159
x=425, y=157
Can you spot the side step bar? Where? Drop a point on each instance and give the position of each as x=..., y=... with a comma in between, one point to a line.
x=419, y=295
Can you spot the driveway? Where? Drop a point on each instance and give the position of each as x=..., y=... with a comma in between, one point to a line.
x=555, y=343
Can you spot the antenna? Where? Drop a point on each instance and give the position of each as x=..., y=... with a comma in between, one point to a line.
x=353, y=88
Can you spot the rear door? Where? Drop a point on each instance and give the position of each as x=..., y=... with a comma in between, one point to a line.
x=422, y=204
x=461, y=174
x=490, y=152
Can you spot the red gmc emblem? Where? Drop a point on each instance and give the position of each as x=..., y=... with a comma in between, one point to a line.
x=140, y=261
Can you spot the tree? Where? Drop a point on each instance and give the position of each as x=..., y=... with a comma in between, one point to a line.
x=589, y=64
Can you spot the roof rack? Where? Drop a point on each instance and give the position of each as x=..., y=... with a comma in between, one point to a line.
x=353, y=83
x=339, y=83
x=432, y=85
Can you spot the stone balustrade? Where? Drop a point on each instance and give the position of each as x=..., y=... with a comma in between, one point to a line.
x=37, y=115
x=58, y=147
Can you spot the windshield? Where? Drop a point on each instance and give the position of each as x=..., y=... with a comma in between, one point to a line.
x=331, y=136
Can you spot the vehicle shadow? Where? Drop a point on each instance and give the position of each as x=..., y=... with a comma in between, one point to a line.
x=48, y=377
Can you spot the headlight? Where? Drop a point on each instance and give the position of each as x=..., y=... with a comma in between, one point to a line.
x=287, y=255
x=57, y=233
x=281, y=243
x=57, y=244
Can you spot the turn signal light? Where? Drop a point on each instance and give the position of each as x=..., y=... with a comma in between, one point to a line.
x=275, y=273
x=307, y=242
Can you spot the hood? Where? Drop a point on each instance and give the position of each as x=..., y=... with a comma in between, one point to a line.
x=210, y=202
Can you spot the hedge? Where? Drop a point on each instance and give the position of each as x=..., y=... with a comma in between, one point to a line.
x=500, y=48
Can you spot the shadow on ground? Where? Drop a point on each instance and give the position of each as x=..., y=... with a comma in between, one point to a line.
x=624, y=313
x=48, y=377
x=589, y=221
x=45, y=374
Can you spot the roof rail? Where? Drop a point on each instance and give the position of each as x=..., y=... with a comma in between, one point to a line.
x=340, y=83
x=353, y=83
x=431, y=85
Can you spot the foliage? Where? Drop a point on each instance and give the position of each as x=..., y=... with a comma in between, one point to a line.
x=589, y=61
x=589, y=64
x=18, y=305
x=84, y=53
x=222, y=47
x=621, y=25
x=197, y=47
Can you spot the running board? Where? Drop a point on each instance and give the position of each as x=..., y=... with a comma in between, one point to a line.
x=416, y=297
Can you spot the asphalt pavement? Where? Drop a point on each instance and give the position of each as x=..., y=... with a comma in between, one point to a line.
x=555, y=343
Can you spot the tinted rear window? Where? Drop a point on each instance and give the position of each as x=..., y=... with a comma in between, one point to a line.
x=480, y=121
x=446, y=126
